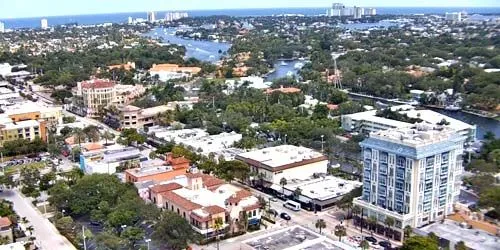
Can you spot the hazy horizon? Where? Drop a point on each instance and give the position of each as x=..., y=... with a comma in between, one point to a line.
x=44, y=8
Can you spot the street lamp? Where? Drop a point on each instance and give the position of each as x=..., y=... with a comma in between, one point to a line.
x=285, y=138
x=147, y=241
x=322, y=143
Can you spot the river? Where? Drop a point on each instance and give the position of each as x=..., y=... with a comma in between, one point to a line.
x=201, y=50
x=483, y=124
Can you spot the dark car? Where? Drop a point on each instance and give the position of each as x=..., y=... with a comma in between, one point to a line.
x=385, y=244
x=371, y=239
x=285, y=216
x=95, y=223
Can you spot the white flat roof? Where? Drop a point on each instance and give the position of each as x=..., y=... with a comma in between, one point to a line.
x=281, y=155
x=323, y=188
x=435, y=117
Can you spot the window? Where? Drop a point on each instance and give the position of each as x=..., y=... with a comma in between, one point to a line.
x=254, y=212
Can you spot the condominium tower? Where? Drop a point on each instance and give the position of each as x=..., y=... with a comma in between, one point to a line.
x=411, y=174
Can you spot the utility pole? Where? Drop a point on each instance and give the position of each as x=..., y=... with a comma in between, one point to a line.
x=84, y=242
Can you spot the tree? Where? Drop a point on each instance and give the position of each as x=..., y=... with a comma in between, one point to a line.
x=130, y=135
x=66, y=131
x=372, y=221
x=61, y=95
x=92, y=133
x=419, y=243
x=461, y=246
x=79, y=135
x=132, y=235
x=108, y=240
x=389, y=222
x=297, y=192
x=283, y=183
x=218, y=225
x=65, y=224
x=320, y=112
x=407, y=231
x=320, y=224
x=340, y=231
x=490, y=198
x=108, y=136
x=364, y=244
x=173, y=231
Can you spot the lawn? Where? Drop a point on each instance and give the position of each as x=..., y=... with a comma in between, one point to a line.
x=13, y=169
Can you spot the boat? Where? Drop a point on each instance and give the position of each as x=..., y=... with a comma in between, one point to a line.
x=298, y=65
x=452, y=108
x=301, y=59
x=283, y=63
x=290, y=74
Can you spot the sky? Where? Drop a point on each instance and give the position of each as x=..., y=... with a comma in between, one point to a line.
x=40, y=8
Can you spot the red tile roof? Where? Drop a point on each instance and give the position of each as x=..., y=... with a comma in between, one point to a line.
x=180, y=201
x=178, y=160
x=98, y=83
x=5, y=222
x=165, y=187
x=238, y=196
x=251, y=207
x=214, y=209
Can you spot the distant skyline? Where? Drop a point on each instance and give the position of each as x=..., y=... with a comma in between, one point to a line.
x=46, y=8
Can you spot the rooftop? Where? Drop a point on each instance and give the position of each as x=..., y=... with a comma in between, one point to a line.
x=322, y=188
x=296, y=238
x=22, y=124
x=165, y=187
x=5, y=222
x=473, y=238
x=283, y=155
x=174, y=68
x=419, y=135
x=148, y=171
x=97, y=84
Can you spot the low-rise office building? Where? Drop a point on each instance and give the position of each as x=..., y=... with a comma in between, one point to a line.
x=158, y=170
x=11, y=129
x=134, y=117
x=107, y=160
x=285, y=161
x=167, y=72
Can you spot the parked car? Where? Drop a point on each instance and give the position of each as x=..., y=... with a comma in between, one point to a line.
x=274, y=199
x=285, y=216
x=371, y=239
x=385, y=244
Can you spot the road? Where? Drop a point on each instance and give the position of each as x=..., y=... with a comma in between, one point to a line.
x=45, y=232
x=308, y=219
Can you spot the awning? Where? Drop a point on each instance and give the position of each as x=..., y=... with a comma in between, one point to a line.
x=276, y=187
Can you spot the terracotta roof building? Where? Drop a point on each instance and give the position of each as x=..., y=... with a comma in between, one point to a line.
x=6, y=229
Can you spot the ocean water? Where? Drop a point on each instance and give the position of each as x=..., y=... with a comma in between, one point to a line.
x=122, y=17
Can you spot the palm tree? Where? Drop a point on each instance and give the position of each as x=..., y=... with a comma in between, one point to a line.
x=30, y=229
x=364, y=245
x=356, y=210
x=243, y=221
x=389, y=222
x=296, y=193
x=108, y=136
x=407, y=231
x=283, y=182
x=372, y=222
x=340, y=231
x=92, y=133
x=218, y=224
x=79, y=135
x=24, y=220
x=320, y=224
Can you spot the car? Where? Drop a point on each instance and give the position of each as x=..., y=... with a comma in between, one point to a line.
x=371, y=239
x=95, y=223
x=274, y=199
x=385, y=244
x=285, y=216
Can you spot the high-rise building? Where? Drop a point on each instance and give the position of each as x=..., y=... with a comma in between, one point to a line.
x=358, y=12
x=2, y=27
x=151, y=17
x=453, y=16
x=44, y=24
x=337, y=10
x=371, y=12
x=411, y=175
x=172, y=16
x=130, y=20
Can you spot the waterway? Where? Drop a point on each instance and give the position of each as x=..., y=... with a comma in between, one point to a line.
x=483, y=124
x=201, y=50
x=284, y=70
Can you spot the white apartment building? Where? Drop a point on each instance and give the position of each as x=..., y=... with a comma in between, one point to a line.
x=44, y=24
x=453, y=16
x=2, y=27
x=367, y=121
x=411, y=174
x=285, y=161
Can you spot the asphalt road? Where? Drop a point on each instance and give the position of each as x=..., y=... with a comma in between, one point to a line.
x=45, y=232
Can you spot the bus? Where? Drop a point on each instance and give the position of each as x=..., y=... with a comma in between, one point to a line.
x=295, y=206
